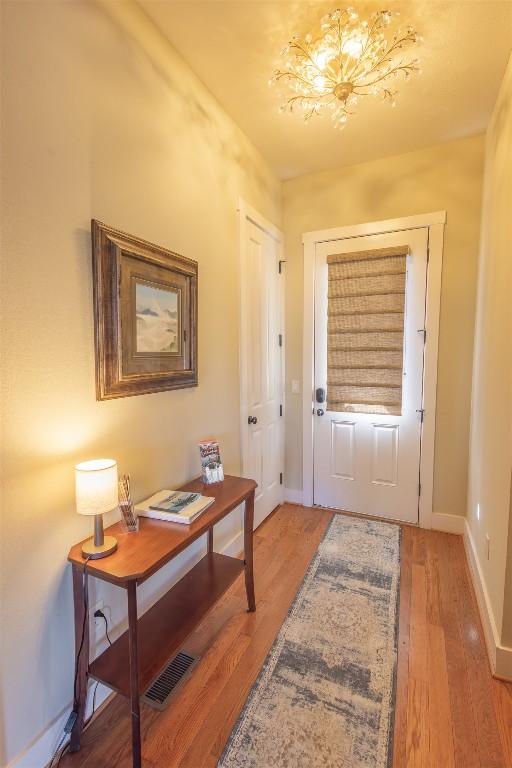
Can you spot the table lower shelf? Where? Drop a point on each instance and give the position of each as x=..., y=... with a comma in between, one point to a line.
x=163, y=628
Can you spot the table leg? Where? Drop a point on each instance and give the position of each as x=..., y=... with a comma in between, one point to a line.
x=134, y=674
x=81, y=647
x=210, y=539
x=248, y=551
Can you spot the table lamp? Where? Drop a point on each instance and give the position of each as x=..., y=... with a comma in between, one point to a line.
x=96, y=493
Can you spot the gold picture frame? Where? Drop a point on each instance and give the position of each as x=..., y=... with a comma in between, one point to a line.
x=145, y=315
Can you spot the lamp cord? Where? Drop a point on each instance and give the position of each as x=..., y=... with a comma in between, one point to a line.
x=82, y=640
x=77, y=661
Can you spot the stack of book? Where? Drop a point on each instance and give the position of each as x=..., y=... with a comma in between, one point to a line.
x=174, y=506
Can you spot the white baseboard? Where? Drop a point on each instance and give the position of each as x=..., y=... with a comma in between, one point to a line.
x=40, y=751
x=292, y=496
x=500, y=656
x=234, y=545
x=503, y=669
x=448, y=523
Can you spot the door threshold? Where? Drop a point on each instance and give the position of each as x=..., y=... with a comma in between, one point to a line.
x=366, y=517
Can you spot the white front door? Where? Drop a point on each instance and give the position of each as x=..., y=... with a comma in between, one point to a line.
x=261, y=364
x=367, y=446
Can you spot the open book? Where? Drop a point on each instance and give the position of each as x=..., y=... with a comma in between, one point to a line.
x=174, y=506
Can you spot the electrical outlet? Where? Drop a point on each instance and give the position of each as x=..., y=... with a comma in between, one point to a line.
x=97, y=623
x=488, y=545
x=295, y=387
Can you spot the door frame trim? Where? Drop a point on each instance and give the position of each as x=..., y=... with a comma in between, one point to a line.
x=248, y=213
x=434, y=222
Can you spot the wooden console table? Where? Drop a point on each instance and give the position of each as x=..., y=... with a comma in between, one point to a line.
x=136, y=658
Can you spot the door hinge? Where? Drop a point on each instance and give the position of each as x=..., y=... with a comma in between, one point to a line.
x=281, y=261
x=280, y=478
x=280, y=337
x=421, y=411
x=424, y=332
x=280, y=410
x=419, y=489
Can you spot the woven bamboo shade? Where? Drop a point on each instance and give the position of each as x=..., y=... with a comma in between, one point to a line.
x=365, y=330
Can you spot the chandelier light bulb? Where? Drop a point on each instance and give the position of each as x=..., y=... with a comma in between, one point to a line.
x=353, y=46
x=350, y=57
x=322, y=57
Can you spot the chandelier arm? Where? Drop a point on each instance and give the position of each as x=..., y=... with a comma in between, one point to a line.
x=343, y=67
x=294, y=76
x=330, y=76
x=385, y=91
x=279, y=75
x=313, y=109
x=400, y=68
x=340, y=49
x=377, y=69
x=304, y=97
x=307, y=55
x=354, y=72
x=369, y=39
x=410, y=65
x=340, y=105
x=386, y=56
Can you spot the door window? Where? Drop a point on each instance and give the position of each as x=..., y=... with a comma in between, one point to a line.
x=365, y=330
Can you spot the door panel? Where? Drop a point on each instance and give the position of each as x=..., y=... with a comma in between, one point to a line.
x=254, y=320
x=385, y=454
x=256, y=453
x=342, y=449
x=366, y=456
x=261, y=366
x=271, y=459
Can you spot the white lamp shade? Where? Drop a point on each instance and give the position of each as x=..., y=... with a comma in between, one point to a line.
x=96, y=486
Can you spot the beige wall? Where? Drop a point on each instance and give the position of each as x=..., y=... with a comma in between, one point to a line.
x=491, y=419
x=444, y=177
x=96, y=126
x=102, y=119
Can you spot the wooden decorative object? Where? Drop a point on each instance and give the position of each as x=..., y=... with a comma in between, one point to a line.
x=145, y=315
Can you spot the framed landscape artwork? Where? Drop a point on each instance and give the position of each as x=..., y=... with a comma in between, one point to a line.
x=145, y=313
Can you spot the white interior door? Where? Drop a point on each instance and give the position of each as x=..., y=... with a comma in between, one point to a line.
x=368, y=462
x=262, y=364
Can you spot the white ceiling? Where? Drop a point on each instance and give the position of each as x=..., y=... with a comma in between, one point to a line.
x=234, y=46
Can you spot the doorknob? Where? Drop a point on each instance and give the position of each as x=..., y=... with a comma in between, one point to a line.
x=319, y=411
x=252, y=420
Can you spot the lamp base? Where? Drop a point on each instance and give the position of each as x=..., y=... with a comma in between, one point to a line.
x=89, y=549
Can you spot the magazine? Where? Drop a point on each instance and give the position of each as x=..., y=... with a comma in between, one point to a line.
x=211, y=465
x=174, y=506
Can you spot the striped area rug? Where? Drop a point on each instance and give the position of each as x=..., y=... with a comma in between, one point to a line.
x=325, y=695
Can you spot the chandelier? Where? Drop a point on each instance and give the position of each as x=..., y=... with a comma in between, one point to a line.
x=350, y=58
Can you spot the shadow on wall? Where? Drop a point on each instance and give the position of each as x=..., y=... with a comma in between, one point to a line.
x=201, y=116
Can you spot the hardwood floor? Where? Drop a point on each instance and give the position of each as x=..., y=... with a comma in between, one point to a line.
x=450, y=712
